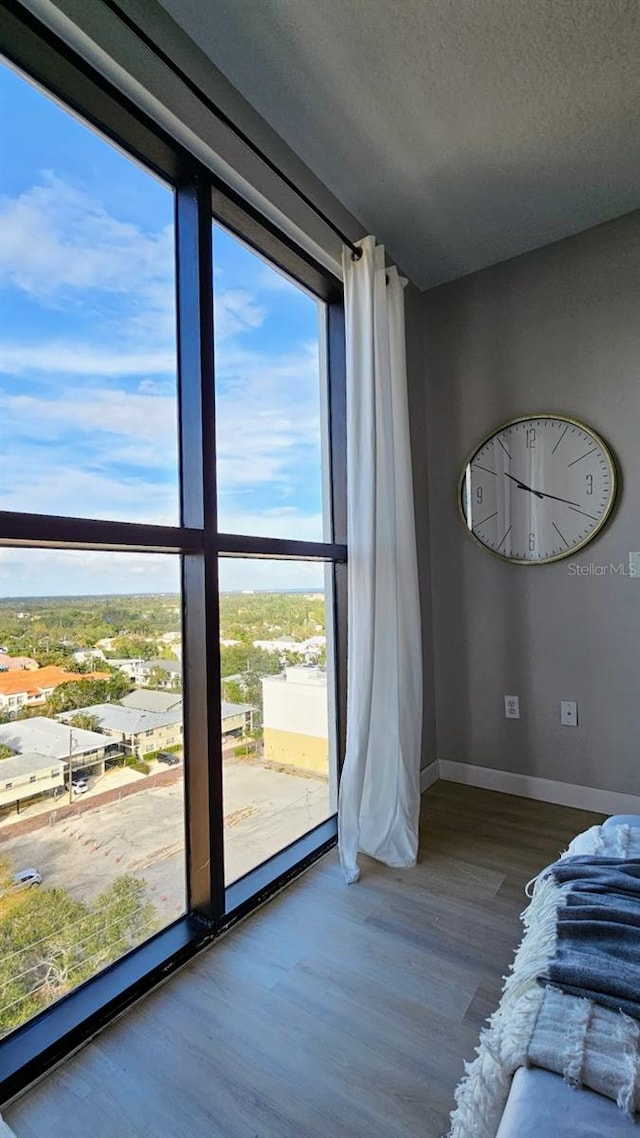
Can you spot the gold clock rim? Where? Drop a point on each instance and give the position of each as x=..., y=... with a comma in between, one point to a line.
x=594, y=533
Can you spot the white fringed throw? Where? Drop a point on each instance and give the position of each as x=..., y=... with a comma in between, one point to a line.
x=588, y=1044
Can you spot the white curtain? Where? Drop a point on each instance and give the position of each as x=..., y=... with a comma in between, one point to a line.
x=379, y=797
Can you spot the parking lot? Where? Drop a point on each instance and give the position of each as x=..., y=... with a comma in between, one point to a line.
x=143, y=834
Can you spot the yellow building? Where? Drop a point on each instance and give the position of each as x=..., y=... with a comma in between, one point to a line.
x=295, y=719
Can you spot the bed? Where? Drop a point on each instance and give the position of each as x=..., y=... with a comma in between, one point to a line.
x=539, y=1103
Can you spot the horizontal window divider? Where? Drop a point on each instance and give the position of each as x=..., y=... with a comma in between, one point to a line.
x=90, y=533
x=57, y=532
x=231, y=545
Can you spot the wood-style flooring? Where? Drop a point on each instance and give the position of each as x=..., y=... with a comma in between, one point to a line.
x=334, y=1011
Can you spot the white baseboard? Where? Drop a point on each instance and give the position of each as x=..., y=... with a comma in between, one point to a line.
x=428, y=775
x=544, y=789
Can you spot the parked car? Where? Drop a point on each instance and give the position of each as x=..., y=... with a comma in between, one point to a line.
x=168, y=758
x=80, y=786
x=25, y=879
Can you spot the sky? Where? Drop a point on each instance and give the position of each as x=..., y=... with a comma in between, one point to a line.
x=88, y=422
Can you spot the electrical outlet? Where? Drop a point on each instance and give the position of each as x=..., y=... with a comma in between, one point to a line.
x=568, y=713
x=511, y=707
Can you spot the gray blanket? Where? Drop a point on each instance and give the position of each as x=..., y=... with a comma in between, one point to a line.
x=597, y=953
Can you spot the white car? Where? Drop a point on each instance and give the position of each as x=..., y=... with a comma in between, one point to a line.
x=25, y=879
x=80, y=786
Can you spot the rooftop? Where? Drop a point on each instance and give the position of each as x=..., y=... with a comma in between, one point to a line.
x=40, y=679
x=17, y=663
x=299, y=675
x=48, y=737
x=231, y=709
x=145, y=700
x=128, y=720
x=29, y=763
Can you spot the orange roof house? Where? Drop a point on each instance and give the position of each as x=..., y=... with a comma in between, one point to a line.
x=20, y=688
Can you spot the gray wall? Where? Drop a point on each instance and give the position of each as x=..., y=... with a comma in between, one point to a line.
x=417, y=408
x=557, y=330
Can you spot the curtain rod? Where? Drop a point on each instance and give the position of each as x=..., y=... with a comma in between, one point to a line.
x=130, y=23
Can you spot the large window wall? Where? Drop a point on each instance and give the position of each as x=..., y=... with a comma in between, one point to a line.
x=172, y=543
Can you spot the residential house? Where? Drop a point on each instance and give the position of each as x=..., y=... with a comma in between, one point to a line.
x=27, y=775
x=169, y=670
x=164, y=673
x=237, y=719
x=140, y=732
x=84, y=655
x=32, y=687
x=52, y=739
x=286, y=647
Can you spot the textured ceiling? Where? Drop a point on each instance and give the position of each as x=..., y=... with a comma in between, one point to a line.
x=460, y=132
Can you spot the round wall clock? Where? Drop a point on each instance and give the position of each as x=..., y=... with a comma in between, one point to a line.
x=538, y=489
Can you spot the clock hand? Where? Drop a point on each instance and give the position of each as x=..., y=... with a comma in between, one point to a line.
x=521, y=486
x=541, y=493
x=556, y=499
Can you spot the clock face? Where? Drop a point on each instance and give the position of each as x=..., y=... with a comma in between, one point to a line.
x=538, y=489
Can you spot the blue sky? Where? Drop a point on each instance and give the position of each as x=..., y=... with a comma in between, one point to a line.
x=87, y=361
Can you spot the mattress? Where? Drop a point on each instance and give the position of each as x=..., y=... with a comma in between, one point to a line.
x=542, y=1105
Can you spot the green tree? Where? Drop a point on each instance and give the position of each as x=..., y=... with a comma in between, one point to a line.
x=82, y=693
x=5, y=752
x=85, y=722
x=232, y=691
x=133, y=648
x=50, y=942
x=158, y=678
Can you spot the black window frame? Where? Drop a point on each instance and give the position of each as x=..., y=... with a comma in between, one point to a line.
x=29, y=1051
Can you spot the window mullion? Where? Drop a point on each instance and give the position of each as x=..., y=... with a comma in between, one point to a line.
x=203, y=753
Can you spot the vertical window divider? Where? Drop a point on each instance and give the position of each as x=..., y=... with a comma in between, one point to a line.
x=201, y=647
x=336, y=372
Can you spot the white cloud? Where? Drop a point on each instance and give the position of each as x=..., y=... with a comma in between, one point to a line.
x=124, y=414
x=235, y=311
x=57, y=237
x=56, y=485
x=59, y=241
x=79, y=359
